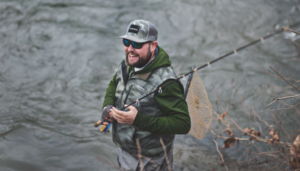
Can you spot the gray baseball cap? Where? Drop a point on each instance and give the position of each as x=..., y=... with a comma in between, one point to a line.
x=140, y=31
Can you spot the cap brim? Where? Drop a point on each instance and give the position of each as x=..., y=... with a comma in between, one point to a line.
x=133, y=38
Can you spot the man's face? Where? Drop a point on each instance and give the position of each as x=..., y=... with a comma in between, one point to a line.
x=138, y=57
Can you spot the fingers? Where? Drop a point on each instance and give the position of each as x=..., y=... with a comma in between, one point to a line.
x=129, y=107
x=116, y=114
x=111, y=116
x=110, y=119
x=118, y=111
x=124, y=117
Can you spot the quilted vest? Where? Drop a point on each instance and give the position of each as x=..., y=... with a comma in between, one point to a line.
x=130, y=90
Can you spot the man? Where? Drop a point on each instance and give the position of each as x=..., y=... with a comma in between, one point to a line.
x=141, y=127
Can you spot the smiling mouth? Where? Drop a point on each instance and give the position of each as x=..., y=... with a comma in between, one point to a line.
x=131, y=56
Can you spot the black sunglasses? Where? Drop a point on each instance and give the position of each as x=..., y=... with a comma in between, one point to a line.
x=135, y=45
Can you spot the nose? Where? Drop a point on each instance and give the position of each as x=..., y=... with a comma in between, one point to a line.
x=130, y=48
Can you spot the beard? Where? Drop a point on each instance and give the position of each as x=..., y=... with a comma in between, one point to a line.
x=141, y=61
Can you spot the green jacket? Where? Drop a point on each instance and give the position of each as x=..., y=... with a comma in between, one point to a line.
x=171, y=102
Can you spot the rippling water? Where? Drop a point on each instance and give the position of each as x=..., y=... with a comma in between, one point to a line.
x=57, y=57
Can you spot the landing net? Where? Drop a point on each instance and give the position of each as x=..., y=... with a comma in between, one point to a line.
x=200, y=109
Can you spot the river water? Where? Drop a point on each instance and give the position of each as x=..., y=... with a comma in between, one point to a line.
x=58, y=56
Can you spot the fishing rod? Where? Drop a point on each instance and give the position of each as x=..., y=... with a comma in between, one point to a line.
x=159, y=89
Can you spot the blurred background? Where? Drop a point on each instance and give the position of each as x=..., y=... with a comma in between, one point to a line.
x=58, y=56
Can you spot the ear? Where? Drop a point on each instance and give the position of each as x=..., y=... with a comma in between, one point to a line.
x=153, y=46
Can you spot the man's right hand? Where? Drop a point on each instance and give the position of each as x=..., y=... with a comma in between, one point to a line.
x=106, y=115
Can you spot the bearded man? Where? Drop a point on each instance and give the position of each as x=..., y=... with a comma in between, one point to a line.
x=147, y=128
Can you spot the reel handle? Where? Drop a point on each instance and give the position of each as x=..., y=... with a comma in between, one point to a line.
x=96, y=124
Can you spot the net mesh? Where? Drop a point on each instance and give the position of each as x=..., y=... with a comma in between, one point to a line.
x=199, y=107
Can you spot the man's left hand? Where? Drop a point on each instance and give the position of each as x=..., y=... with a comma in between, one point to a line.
x=125, y=117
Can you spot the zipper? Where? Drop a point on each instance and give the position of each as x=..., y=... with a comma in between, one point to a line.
x=127, y=94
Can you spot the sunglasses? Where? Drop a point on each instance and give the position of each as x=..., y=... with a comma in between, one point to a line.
x=135, y=45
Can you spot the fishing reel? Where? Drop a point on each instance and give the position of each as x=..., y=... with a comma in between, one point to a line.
x=104, y=128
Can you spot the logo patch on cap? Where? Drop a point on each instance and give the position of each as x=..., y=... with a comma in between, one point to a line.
x=134, y=29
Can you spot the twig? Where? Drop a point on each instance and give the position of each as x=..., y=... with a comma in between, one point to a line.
x=258, y=138
x=258, y=155
x=215, y=96
x=284, y=79
x=256, y=121
x=220, y=154
x=217, y=102
x=263, y=153
x=166, y=156
x=271, y=103
x=246, y=160
x=253, y=142
x=273, y=110
x=291, y=31
x=243, y=139
x=237, y=165
x=290, y=20
x=219, y=136
x=178, y=68
x=273, y=167
x=219, y=118
x=255, y=113
x=298, y=111
x=287, y=97
x=140, y=155
x=242, y=102
x=242, y=129
x=274, y=75
x=294, y=41
x=286, y=134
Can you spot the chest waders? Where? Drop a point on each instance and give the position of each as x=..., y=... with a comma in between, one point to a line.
x=129, y=90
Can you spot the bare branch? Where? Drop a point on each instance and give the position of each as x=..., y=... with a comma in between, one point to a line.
x=258, y=138
x=298, y=111
x=242, y=102
x=291, y=30
x=274, y=75
x=255, y=113
x=166, y=155
x=256, y=120
x=294, y=41
x=219, y=136
x=237, y=165
x=287, y=97
x=140, y=155
x=220, y=118
x=284, y=79
x=283, y=130
x=271, y=103
x=217, y=102
x=273, y=110
x=220, y=154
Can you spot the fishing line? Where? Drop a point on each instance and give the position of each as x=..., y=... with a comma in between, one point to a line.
x=160, y=89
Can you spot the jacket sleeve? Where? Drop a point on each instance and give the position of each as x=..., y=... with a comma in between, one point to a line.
x=172, y=103
x=110, y=97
